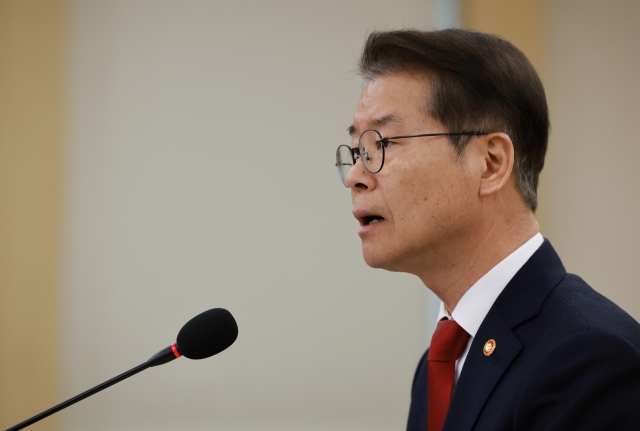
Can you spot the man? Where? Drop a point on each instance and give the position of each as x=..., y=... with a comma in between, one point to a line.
x=448, y=141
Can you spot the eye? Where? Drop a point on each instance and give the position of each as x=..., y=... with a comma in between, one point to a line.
x=386, y=143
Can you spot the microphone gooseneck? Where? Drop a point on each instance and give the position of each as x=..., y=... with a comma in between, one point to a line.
x=205, y=335
x=165, y=355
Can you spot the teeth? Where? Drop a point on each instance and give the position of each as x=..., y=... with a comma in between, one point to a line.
x=375, y=220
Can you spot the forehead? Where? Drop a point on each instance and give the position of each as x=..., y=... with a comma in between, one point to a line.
x=391, y=100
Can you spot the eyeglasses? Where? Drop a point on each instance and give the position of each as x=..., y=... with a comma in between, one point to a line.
x=371, y=151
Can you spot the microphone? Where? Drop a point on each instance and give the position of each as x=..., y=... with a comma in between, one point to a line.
x=205, y=335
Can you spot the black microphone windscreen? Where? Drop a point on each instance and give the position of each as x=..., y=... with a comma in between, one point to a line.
x=207, y=334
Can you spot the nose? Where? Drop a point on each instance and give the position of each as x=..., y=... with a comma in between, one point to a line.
x=359, y=178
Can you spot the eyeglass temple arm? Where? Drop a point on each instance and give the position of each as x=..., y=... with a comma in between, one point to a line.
x=437, y=134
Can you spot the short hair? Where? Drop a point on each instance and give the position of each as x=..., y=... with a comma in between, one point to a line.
x=479, y=82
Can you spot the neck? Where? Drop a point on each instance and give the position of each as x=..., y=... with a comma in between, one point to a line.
x=495, y=237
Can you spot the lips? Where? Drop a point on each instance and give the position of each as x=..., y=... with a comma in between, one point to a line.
x=366, y=218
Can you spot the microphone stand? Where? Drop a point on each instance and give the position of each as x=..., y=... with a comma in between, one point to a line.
x=162, y=357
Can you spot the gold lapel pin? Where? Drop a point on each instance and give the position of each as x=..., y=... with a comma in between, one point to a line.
x=489, y=347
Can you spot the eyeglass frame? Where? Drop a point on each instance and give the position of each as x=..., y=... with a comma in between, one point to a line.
x=385, y=142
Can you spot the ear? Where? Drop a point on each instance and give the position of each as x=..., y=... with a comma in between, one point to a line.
x=497, y=164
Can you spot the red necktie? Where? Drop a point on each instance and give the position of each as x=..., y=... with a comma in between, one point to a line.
x=447, y=345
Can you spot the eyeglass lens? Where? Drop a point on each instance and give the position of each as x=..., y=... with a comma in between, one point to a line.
x=344, y=162
x=371, y=151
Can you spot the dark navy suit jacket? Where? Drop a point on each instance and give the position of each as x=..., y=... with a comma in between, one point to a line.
x=566, y=358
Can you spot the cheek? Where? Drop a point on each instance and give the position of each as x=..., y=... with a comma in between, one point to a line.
x=409, y=195
x=429, y=196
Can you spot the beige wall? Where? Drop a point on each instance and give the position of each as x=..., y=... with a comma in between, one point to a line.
x=520, y=21
x=594, y=159
x=31, y=75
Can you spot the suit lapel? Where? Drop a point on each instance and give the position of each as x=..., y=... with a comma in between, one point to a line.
x=520, y=300
x=481, y=373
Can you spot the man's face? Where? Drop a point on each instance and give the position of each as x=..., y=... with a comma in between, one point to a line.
x=422, y=203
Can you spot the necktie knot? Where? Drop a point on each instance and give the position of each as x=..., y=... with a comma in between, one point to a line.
x=448, y=341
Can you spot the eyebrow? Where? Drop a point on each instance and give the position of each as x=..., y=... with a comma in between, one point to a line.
x=392, y=118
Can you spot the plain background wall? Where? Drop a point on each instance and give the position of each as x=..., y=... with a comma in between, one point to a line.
x=593, y=166
x=201, y=174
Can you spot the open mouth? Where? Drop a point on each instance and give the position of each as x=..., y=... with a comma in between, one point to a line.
x=365, y=221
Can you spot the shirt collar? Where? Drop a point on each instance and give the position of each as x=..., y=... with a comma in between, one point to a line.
x=478, y=300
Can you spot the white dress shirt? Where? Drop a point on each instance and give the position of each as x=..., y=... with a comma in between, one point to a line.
x=478, y=300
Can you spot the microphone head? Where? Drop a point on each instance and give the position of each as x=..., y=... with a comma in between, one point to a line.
x=207, y=334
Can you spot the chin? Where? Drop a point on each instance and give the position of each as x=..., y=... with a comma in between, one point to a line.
x=372, y=262
x=394, y=259
x=376, y=259
x=372, y=256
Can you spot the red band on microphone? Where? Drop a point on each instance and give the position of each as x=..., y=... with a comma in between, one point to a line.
x=175, y=350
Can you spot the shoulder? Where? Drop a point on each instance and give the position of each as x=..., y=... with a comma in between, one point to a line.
x=588, y=380
x=584, y=312
x=585, y=366
x=576, y=321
